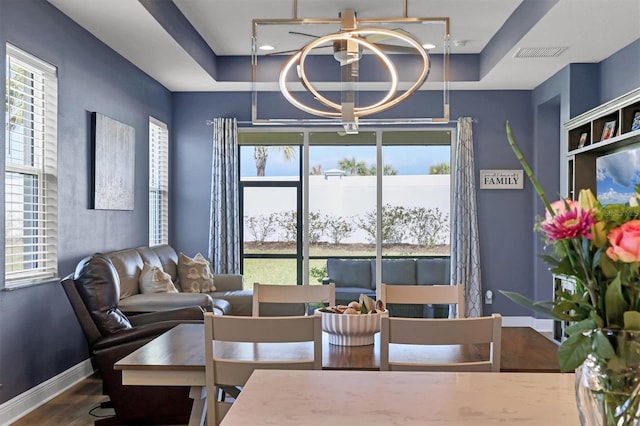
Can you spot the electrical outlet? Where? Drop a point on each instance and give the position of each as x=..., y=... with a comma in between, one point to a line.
x=488, y=297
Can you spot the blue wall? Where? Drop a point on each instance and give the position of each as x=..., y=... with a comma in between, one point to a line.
x=536, y=118
x=499, y=211
x=39, y=334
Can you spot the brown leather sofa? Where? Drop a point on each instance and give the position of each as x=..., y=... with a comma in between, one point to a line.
x=93, y=291
x=229, y=298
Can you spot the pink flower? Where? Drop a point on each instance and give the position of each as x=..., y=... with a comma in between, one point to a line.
x=625, y=242
x=560, y=207
x=572, y=223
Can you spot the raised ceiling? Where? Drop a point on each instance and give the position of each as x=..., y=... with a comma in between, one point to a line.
x=186, y=45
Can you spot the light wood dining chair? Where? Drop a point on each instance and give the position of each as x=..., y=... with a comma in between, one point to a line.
x=287, y=293
x=445, y=331
x=452, y=295
x=235, y=346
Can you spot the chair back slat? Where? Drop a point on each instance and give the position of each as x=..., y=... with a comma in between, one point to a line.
x=424, y=294
x=476, y=366
x=269, y=329
x=462, y=331
x=287, y=293
x=455, y=331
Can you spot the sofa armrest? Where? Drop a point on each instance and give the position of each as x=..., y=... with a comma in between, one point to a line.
x=228, y=282
x=193, y=313
x=136, y=336
x=160, y=302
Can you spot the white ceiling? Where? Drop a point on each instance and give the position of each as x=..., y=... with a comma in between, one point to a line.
x=591, y=30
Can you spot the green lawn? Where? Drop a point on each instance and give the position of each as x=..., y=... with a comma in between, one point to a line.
x=275, y=271
x=283, y=271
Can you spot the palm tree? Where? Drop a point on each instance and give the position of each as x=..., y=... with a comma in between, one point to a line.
x=359, y=168
x=352, y=167
x=261, y=152
x=389, y=170
x=348, y=165
x=440, y=169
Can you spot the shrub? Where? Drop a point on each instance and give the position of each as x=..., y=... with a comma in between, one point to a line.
x=260, y=227
x=429, y=227
x=395, y=220
x=338, y=229
x=318, y=273
x=288, y=225
x=317, y=226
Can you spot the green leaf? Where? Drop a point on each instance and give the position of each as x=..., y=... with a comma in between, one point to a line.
x=583, y=326
x=599, y=322
x=596, y=258
x=573, y=351
x=586, y=255
x=564, y=268
x=367, y=304
x=550, y=260
x=539, y=307
x=602, y=346
x=608, y=267
x=614, y=303
x=631, y=320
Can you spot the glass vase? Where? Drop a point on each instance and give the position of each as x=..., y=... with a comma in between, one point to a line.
x=608, y=385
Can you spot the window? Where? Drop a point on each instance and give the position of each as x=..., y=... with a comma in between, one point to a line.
x=344, y=208
x=158, y=182
x=31, y=207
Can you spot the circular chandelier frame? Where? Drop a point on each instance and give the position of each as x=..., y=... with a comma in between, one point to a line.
x=355, y=35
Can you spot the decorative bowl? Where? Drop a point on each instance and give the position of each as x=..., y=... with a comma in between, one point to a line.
x=351, y=329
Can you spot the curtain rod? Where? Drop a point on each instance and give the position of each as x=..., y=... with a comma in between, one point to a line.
x=210, y=122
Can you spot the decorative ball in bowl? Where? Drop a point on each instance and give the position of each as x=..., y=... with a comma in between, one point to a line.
x=350, y=329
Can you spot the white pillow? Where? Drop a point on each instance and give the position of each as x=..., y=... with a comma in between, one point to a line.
x=195, y=274
x=155, y=280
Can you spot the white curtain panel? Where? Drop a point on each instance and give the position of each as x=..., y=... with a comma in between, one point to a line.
x=224, y=228
x=465, y=243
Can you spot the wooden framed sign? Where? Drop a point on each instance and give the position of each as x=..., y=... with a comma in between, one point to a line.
x=501, y=179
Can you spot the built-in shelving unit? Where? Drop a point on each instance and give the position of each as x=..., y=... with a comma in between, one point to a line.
x=586, y=143
x=561, y=283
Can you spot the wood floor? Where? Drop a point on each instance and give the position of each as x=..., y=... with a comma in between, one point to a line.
x=77, y=406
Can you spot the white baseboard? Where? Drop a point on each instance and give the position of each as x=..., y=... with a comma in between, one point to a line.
x=541, y=325
x=28, y=401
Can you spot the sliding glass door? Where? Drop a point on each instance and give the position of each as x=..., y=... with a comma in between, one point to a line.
x=312, y=194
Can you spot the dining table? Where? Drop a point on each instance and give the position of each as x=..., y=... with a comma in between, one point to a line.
x=176, y=358
x=377, y=398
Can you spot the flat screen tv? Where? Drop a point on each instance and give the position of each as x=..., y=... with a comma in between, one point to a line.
x=617, y=176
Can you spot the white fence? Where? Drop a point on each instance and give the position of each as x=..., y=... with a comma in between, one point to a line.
x=353, y=196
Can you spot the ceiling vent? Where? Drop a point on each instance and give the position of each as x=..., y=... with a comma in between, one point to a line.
x=539, y=52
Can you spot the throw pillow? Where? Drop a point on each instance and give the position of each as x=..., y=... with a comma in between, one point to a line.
x=155, y=280
x=195, y=274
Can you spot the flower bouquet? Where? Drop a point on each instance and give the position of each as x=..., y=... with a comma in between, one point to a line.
x=598, y=248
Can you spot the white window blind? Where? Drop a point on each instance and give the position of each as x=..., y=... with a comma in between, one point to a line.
x=31, y=207
x=158, y=182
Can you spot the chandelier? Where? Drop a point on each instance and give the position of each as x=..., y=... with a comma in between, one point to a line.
x=356, y=45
